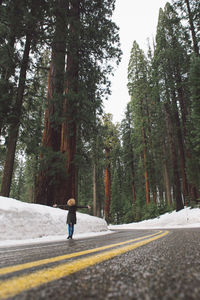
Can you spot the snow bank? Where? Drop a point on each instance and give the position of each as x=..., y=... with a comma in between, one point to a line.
x=23, y=223
x=184, y=218
x=20, y=220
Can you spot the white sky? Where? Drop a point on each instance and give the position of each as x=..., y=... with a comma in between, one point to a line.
x=24, y=223
x=137, y=20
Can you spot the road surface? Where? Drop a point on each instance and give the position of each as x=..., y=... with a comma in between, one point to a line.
x=127, y=264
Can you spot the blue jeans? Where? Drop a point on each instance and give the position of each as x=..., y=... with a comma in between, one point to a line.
x=70, y=229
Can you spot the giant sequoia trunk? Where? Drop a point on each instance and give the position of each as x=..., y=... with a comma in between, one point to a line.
x=49, y=177
x=186, y=187
x=69, y=126
x=60, y=133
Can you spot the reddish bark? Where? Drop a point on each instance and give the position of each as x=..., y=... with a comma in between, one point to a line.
x=69, y=126
x=45, y=191
x=187, y=154
x=48, y=184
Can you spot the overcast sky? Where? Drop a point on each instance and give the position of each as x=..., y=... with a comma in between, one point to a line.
x=137, y=20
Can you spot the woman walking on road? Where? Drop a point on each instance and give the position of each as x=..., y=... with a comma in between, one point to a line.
x=71, y=216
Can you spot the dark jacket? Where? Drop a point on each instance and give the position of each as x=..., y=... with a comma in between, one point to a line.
x=71, y=217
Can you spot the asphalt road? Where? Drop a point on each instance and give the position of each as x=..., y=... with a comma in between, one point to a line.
x=128, y=264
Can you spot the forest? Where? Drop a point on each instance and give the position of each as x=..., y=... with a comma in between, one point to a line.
x=56, y=141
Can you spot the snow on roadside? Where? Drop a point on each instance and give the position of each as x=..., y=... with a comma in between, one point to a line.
x=23, y=221
x=184, y=218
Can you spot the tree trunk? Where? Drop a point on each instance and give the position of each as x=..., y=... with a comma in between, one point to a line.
x=151, y=160
x=167, y=183
x=107, y=182
x=184, y=113
x=181, y=149
x=94, y=190
x=48, y=184
x=15, y=122
x=132, y=169
x=177, y=185
x=147, y=193
x=194, y=38
x=69, y=127
x=8, y=70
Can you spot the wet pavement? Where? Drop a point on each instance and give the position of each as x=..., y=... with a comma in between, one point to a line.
x=164, y=269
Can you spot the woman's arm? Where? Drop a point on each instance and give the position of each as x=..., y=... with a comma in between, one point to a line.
x=79, y=206
x=65, y=206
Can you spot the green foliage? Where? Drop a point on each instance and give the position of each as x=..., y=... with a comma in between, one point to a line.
x=53, y=165
x=117, y=204
x=150, y=211
x=195, y=105
x=18, y=184
x=154, y=80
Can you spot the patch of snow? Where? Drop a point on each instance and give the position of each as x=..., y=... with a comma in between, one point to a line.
x=28, y=221
x=25, y=223
x=185, y=218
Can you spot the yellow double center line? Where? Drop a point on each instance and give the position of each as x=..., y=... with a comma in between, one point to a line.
x=16, y=285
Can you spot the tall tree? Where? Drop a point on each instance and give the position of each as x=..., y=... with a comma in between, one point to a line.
x=11, y=29
x=52, y=159
x=31, y=23
x=138, y=90
x=110, y=140
x=194, y=137
x=128, y=149
x=69, y=126
x=88, y=43
x=189, y=11
x=170, y=67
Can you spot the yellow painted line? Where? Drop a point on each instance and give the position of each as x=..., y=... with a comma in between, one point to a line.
x=37, y=263
x=14, y=286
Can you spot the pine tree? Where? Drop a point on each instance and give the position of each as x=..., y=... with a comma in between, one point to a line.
x=138, y=90
x=31, y=23
x=194, y=163
x=189, y=10
x=110, y=141
x=172, y=66
x=11, y=29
